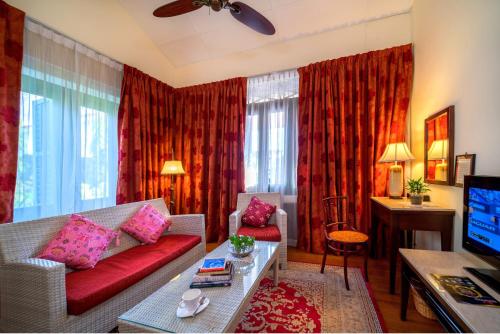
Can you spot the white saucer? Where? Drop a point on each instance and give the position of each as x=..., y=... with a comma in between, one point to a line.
x=183, y=312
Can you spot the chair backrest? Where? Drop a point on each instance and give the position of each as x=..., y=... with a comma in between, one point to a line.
x=336, y=216
x=26, y=239
x=271, y=198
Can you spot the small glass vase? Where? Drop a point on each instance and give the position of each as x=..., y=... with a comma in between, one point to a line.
x=242, y=252
x=416, y=199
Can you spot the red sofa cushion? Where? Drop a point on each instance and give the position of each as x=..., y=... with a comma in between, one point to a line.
x=88, y=288
x=266, y=233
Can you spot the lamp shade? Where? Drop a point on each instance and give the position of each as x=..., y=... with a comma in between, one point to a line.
x=438, y=150
x=396, y=152
x=172, y=167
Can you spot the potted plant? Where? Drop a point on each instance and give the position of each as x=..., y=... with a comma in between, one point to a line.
x=417, y=188
x=241, y=245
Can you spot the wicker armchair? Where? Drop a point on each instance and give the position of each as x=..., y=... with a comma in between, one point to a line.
x=33, y=291
x=279, y=219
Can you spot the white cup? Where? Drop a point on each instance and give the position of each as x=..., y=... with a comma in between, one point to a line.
x=190, y=298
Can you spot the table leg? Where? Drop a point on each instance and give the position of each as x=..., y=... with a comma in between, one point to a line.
x=447, y=236
x=393, y=255
x=405, y=290
x=373, y=237
x=276, y=270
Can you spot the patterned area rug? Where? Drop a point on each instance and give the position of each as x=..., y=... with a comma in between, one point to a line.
x=311, y=302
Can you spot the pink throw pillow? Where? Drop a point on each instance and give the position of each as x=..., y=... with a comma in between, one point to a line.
x=79, y=244
x=258, y=213
x=147, y=225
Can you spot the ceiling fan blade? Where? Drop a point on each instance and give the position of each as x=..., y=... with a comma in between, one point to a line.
x=252, y=18
x=175, y=8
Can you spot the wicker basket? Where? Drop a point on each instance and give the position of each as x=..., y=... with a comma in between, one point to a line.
x=421, y=305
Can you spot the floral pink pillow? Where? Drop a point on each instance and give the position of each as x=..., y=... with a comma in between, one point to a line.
x=258, y=213
x=147, y=225
x=79, y=244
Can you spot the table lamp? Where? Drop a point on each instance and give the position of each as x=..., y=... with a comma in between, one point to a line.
x=172, y=168
x=396, y=152
x=439, y=151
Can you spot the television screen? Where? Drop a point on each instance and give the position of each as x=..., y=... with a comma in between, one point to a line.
x=484, y=217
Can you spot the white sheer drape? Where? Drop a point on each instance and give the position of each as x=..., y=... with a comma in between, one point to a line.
x=271, y=139
x=271, y=133
x=68, y=128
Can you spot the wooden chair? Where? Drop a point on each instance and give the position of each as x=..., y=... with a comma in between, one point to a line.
x=341, y=236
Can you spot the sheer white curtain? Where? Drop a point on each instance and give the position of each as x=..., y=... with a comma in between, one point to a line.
x=271, y=133
x=68, y=128
x=271, y=137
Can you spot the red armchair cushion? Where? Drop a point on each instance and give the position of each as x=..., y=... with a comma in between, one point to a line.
x=88, y=288
x=257, y=213
x=266, y=233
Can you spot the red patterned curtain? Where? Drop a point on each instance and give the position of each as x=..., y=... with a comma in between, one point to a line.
x=11, y=57
x=146, y=106
x=349, y=110
x=209, y=134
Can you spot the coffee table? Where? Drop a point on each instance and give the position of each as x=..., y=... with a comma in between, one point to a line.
x=157, y=313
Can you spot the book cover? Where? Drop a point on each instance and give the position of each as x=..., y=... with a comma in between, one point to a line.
x=210, y=284
x=226, y=271
x=216, y=264
x=464, y=290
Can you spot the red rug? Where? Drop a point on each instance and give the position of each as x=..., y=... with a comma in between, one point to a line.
x=307, y=301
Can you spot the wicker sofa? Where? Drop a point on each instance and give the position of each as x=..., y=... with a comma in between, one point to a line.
x=33, y=295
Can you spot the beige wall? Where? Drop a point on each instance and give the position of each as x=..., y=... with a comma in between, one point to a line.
x=377, y=34
x=457, y=62
x=105, y=26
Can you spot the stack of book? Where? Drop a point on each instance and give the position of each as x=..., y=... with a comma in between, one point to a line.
x=213, y=273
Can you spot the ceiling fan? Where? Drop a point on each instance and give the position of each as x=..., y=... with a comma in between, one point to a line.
x=240, y=11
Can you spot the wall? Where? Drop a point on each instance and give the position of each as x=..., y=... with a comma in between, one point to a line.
x=105, y=26
x=457, y=62
x=344, y=41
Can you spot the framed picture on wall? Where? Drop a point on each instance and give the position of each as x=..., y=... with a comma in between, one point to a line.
x=464, y=165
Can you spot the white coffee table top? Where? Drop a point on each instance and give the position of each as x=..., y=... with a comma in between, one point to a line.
x=481, y=319
x=158, y=311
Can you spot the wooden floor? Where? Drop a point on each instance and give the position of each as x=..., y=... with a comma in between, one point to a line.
x=378, y=270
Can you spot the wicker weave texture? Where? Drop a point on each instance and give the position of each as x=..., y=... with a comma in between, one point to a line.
x=279, y=218
x=227, y=304
x=33, y=293
x=25, y=239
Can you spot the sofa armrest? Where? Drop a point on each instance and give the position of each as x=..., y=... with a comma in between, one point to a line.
x=32, y=295
x=188, y=224
x=234, y=222
x=281, y=222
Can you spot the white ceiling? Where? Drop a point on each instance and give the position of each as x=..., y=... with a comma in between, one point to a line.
x=202, y=35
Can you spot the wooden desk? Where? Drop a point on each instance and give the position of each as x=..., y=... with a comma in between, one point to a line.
x=400, y=215
x=455, y=317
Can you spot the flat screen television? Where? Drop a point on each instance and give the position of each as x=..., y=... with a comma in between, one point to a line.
x=481, y=225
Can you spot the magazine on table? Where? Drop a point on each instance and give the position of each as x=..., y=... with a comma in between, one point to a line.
x=465, y=291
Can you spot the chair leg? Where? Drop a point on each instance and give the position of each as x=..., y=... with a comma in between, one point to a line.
x=323, y=263
x=345, y=271
x=367, y=252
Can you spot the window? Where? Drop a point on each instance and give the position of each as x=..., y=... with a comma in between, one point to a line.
x=271, y=133
x=67, y=159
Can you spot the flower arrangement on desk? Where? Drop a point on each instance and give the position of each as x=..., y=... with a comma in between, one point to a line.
x=241, y=245
x=417, y=188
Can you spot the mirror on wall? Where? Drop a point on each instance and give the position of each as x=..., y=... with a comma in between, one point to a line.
x=439, y=140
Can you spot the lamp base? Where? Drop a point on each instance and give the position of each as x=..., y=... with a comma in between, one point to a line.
x=395, y=181
x=395, y=197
